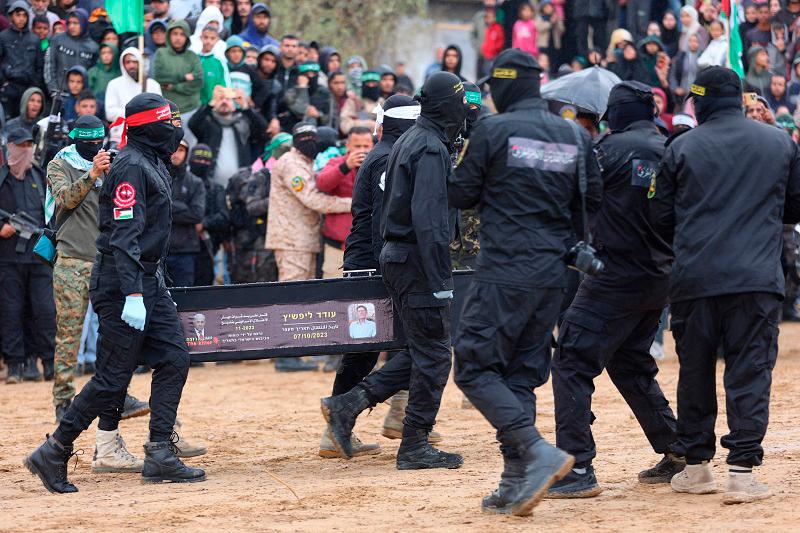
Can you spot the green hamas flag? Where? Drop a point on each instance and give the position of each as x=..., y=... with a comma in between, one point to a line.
x=126, y=15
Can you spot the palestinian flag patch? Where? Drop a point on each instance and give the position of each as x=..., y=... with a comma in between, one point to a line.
x=121, y=213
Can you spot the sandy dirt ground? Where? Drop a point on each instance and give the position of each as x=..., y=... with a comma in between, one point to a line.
x=257, y=422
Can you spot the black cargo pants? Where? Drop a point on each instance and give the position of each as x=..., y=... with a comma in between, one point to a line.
x=502, y=352
x=121, y=348
x=601, y=334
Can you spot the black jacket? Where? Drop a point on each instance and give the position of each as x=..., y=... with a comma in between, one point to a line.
x=217, y=220
x=722, y=188
x=21, y=58
x=415, y=199
x=637, y=259
x=364, y=243
x=249, y=127
x=188, y=209
x=65, y=52
x=144, y=235
x=520, y=170
x=17, y=196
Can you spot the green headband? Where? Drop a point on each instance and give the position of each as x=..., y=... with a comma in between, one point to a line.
x=87, y=133
x=308, y=67
x=474, y=97
x=370, y=76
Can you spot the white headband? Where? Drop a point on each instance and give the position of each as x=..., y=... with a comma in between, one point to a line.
x=406, y=112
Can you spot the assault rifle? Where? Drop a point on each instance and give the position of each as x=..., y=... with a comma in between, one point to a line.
x=25, y=225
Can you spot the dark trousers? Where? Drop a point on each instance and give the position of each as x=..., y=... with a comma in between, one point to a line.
x=180, y=268
x=746, y=326
x=27, y=286
x=599, y=334
x=424, y=368
x=353, y=368
x=203, y=269
x=598, y=34
x=121, y=348
x=502, y=353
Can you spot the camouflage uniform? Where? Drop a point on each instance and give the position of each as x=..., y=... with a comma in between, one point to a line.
x=293, y=220
x=72, y=189
x=465, y=247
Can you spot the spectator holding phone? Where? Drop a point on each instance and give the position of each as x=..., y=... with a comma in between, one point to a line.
x=337, y=179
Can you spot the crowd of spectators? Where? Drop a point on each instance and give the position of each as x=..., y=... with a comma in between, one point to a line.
x=242, y=90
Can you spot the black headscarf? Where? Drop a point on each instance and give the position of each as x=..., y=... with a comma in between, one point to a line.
x=395, y=127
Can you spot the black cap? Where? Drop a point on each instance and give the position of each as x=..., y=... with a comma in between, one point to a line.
x=629, y=92
x=716, y=81
x=512, y=64
x=19, y=134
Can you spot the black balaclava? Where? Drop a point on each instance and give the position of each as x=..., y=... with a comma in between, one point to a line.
x=177, y=135
x=444, y=103
x=706, y=106
x=156, y=136
x=371, y=85
x=304, y=139
x=506, y=92
x=629, y=102
x=200, y=160
x=88, y=148
x=395, y=127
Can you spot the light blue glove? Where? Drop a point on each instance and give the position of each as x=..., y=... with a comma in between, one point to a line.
x=134, y=312
x=443, y=295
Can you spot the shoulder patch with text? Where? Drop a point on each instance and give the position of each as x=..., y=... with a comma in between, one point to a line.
x=643, y=172
x=530, y=153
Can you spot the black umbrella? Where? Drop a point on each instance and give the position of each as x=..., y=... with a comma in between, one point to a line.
x=587, y=89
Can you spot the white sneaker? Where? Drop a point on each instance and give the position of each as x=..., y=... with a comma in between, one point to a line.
x=695, y=479
x=111, y=455
x=657, y=351
x=744, y=488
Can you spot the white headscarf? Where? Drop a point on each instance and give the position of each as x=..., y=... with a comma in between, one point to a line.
x=209, y=14
x=686, y=31
x=408, y=112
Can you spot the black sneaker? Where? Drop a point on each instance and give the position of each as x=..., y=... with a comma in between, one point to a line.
x=667, y=467
x=31, y=370
x=294, y=364
x=415, y=453
x=49, y=462
x=134, y=407
x=61, y=410
x=575, y=485
x=162, y=464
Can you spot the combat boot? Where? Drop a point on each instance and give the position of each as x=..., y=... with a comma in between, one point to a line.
x=694, y=479
x=49, y=462
x=14, y=374
x=328, y=450
x=578, y=483
x=393, y=423
x=499, y=501
x=664, y=471
x=340, y=413
x=415, y=453
x=31, y=370
x=544, y=465
x=48, y=369
x=61, y=410
x=111, y=455
x=134, y=407
x=742, y=487
x=187, y=448
x=161, y=464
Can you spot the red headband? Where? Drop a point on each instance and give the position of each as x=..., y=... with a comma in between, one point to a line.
x=150, y=116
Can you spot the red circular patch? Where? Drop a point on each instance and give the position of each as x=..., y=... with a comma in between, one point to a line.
x=125, y=195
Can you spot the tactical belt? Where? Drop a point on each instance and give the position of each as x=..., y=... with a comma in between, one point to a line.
x=150, y=267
